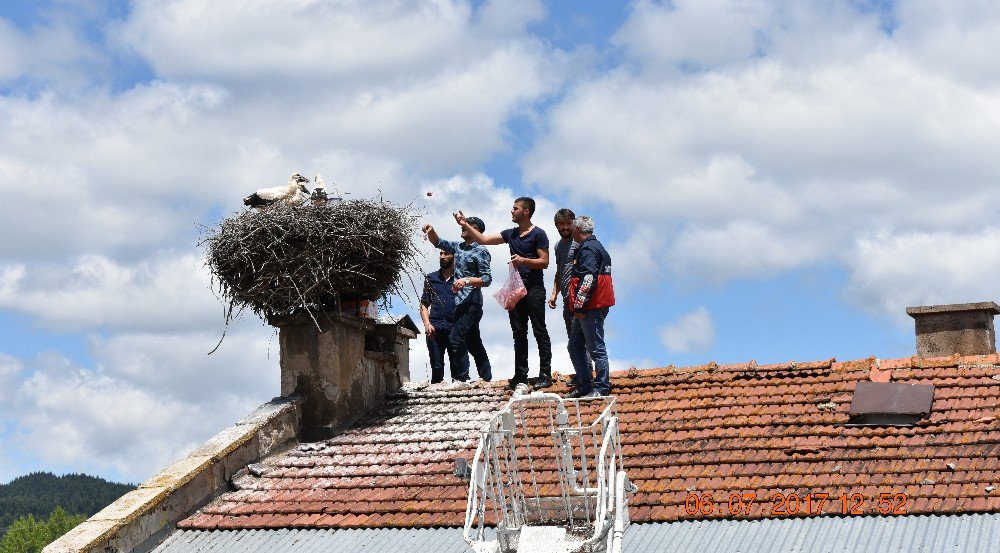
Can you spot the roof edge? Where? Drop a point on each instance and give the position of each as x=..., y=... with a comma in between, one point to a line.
x=150, y=511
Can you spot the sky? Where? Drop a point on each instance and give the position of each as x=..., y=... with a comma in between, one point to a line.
x=774, y=180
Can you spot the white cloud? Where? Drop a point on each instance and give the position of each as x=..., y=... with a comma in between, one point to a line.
x=128, y=415
x=345, y=43
x=690, y=333
x=741, y=249
x=11, y=369
x=52, y=51
x=956, y=39
x=168, y=292
x=697, y=33
x=889, y=272
x=774, y=141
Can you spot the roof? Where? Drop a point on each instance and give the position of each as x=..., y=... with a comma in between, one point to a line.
x=737, y=432
x=979, y=533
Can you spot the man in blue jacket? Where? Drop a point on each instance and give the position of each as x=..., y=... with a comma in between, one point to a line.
x=472, y=272
x=591, y=294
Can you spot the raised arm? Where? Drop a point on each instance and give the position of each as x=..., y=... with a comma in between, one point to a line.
x=482, y=239
x=431, y=234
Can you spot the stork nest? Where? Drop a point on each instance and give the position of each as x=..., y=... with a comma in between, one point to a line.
x=286, y=259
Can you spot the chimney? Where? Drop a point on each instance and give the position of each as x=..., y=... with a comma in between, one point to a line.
x=342, y=366
x=963, y=328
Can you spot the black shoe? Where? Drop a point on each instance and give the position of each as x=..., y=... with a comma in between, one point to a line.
x=595, y=393
x=575, y=394
x=513, y=383
x=543, y=382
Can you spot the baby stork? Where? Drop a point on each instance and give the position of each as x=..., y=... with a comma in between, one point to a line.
x=319, y=196
x=291, y=193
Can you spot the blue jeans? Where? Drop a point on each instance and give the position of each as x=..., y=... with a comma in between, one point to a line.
x=586, y=337
x=465, y=340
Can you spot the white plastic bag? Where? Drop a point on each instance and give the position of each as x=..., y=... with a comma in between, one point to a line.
x=512, y=291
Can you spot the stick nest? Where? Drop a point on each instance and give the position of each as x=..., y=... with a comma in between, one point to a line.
x=289, y=258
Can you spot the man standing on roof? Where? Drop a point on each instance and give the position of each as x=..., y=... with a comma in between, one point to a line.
x=437, y=309
x=472, y=272
x=565, y=251
x=591, y=293
x=529, y=252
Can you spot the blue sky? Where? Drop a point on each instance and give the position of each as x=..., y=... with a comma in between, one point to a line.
x=775, y=180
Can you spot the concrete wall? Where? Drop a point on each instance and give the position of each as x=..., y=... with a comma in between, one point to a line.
x=138, y=520
x=342, y=367
x=965, y=329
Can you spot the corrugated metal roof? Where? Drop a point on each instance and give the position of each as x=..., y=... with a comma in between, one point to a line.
x=959, y=533
x=417, y=540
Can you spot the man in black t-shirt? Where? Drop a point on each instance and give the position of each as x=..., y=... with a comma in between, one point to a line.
x=529, y=252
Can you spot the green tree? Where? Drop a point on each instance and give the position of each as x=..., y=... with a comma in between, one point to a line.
x=27, y=535
x=40, y=492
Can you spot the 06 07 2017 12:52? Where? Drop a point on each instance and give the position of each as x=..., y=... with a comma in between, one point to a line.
x=791, y=504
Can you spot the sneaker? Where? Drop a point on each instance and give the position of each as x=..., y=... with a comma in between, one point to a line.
x=543, y=382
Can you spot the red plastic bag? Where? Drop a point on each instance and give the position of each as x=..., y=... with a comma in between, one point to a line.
x=512, y=291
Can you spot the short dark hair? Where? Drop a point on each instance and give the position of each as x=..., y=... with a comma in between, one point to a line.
x=565, y=215
x=528, y=203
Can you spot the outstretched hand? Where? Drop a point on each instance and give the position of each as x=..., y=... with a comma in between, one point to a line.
x=459, y=217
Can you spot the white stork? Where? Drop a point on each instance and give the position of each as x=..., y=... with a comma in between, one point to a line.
x=291, y=193
x=319, y=191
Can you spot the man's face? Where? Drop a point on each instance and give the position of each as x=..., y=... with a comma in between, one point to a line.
x=565, y=228
x=446, y=259
x=518, y=213
x=577, y=235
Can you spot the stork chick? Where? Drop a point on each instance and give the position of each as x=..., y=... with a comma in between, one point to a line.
x=319, y=196
x=291, y=193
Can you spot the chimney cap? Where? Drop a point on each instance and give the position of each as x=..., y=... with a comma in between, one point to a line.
x=988, y=306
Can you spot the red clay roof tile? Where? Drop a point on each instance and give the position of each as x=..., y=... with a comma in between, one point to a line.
x=732, y=431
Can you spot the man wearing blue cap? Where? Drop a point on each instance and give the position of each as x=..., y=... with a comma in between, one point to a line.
x=472, y=272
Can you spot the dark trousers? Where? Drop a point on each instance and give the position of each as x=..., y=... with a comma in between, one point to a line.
x=531, y=308
x=436, y=346
x=568, y=319
x=465, y=341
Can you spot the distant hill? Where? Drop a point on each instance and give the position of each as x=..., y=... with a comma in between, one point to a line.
x=40, y=492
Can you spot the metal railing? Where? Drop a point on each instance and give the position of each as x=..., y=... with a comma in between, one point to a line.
x=546, y=461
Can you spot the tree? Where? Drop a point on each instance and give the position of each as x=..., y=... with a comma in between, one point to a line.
x=27, y=535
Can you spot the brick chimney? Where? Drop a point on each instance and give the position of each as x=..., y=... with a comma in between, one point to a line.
x=343, y=368
x=963, y=328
